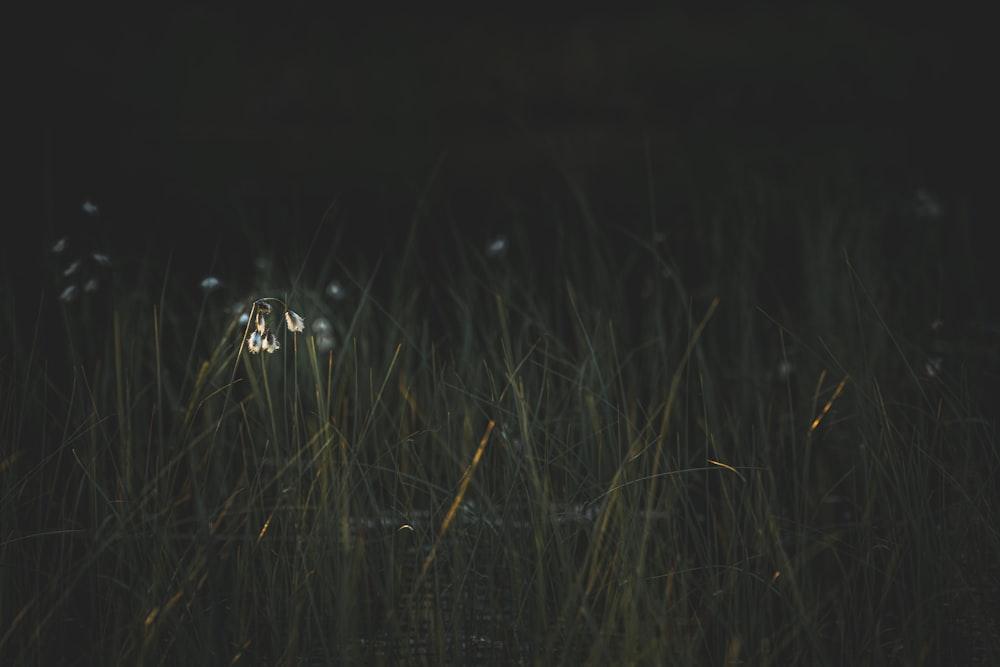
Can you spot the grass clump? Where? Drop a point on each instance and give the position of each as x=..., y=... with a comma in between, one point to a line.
x=588, y=459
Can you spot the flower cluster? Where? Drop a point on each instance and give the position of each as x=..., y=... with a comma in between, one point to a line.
x=262, y=338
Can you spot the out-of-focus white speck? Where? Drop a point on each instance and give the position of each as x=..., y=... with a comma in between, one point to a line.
x=926, y=205
x=69, y=293
x=321, y=325
x=323, y=333
x=497, y=246
x=335, y=290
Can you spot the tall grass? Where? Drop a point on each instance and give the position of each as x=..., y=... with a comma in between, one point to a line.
x=587, y=456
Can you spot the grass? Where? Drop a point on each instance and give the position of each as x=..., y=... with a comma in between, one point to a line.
x=614, y=452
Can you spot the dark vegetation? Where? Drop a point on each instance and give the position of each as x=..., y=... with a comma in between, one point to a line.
x=644, y=383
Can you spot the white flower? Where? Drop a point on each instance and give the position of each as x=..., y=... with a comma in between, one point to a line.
x=270, y=342
x=91, y=285
x=60, y=245
x=254, y=342
x=103, y=260
x=294, y=321
x=71, y=269
x=262, y=337
x=210, y=283
x=90, y=208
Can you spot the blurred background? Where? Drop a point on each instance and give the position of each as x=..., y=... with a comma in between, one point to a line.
x=196, y=129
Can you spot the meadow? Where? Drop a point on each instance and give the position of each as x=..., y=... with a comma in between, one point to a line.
x=751, y=429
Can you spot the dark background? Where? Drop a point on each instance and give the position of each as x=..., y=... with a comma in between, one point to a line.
x=199, y=130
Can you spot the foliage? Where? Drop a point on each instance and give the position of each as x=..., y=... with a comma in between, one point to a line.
x=631, y=447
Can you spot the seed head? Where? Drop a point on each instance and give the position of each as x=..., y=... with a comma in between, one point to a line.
x=254, y=342
x=271, y=343
x=294, y=321
x=262, y=337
